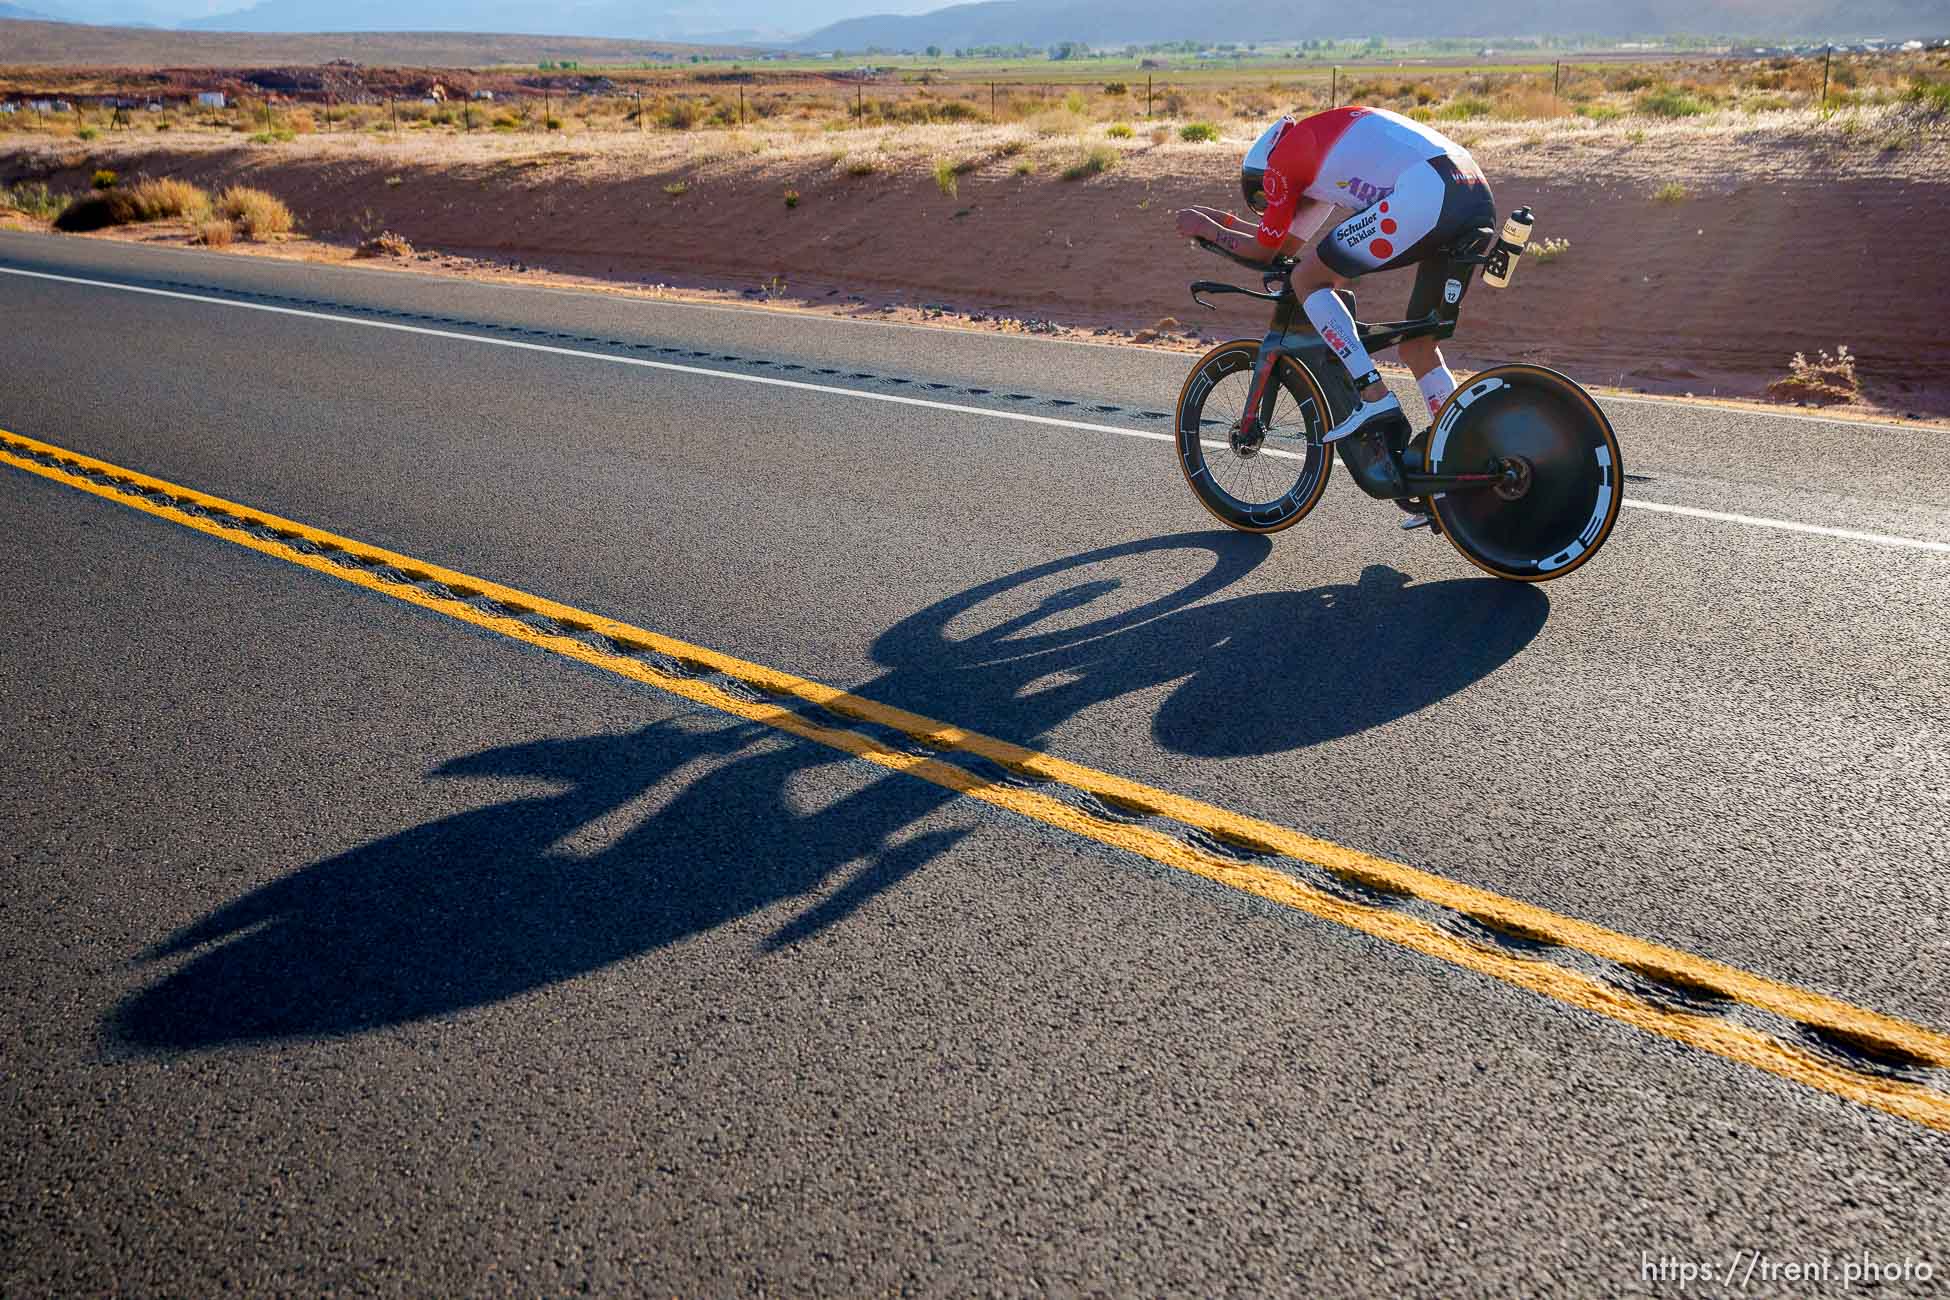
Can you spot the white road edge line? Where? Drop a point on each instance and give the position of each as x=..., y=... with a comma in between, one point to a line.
x=1759, y=521
x=1021, y=417
x=748, y=308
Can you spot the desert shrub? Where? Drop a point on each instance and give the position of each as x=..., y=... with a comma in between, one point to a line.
x=792, y=198
x=258, y=215
x=1463, y=108
x=87, y=133
x=216, y=233
x=1669, y=101
x=678, y=189
x=1598, y=112
x=34, y=198
x=945, y=178
x=553, y=124
x=1525, y=103
x=860, y=167
x=95, y=211
x=1094, y=162
x=1160, y=134
x=1074, y=102
x=681, y=115
x=1764, y=103
x=279, y=136
x=1116, y=88
x=1931, y=97
x=383, y=244
x=1198, y=133
x=1010, y=148
x=1550, y=250
x=1118, y=131
x=1024, y=167
x=1825, y=379
x=1670, y=192
x=300, y=121
x=103, y=179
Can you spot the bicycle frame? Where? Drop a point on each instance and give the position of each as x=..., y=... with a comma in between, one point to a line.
x=1287, y=337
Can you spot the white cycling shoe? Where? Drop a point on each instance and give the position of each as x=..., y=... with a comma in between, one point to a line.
x=1365, y=414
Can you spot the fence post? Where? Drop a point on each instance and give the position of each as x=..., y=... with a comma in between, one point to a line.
x=1147, y=94
x=392, y=102
x=741, y=106
x=992, y=117
x=1826, y=55
x=1557, y=70
x=1334, y=94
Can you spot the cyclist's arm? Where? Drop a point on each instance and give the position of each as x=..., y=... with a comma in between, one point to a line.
x=1194, y=223
x=1224, y=218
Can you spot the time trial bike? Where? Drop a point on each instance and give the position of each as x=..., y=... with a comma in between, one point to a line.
x=1522, y=472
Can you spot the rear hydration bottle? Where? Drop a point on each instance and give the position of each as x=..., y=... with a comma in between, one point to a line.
x=1509, y=247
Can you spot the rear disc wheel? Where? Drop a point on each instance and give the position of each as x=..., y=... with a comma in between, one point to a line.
x=1563, y=477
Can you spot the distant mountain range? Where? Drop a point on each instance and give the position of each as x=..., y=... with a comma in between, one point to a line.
x=858, y=25
x=1118, y=22
x=709, y=21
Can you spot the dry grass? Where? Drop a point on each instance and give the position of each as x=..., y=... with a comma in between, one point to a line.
x=159, y=200
x=215, y=233
x=257, y=215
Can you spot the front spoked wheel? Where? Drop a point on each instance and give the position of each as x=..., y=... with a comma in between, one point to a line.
x=1562, y=477
x=1257, y=481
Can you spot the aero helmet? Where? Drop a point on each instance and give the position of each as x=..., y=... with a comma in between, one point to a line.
x=1252, y=177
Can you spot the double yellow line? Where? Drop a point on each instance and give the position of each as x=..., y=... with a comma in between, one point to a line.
x=1879, y=1041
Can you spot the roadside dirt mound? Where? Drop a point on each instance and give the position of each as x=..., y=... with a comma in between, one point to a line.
x=1711, y=291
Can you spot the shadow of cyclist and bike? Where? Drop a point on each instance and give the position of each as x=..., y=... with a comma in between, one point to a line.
x=482, y=905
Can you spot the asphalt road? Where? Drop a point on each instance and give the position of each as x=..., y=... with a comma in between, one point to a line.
x=352, y=948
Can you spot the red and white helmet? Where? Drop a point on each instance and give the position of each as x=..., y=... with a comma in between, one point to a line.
x=1252, y=176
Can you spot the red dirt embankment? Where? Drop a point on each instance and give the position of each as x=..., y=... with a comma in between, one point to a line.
x=1711, y=293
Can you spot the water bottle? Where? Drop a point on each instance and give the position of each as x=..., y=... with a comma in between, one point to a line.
x=1509, y=247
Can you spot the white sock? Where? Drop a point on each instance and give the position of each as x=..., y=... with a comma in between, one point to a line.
x=1330, y=316
x=1436, y=387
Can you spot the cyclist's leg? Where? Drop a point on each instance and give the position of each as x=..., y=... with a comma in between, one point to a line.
x=1423, y=356
x=1466, y=205
x=1378, y=237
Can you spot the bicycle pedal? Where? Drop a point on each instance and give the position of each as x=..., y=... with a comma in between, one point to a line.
x=1413, y=522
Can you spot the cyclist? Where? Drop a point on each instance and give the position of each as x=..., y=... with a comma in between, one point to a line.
x=1414, y=190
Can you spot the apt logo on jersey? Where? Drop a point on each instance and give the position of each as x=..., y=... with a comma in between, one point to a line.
x=1364, y=192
